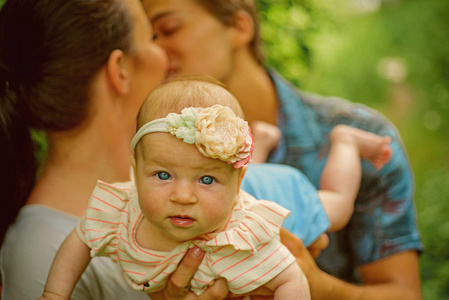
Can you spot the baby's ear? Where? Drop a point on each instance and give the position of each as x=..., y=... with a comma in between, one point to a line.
x=133, y=167
x=241, y=175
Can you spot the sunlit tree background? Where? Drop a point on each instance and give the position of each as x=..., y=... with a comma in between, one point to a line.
x=392, y=55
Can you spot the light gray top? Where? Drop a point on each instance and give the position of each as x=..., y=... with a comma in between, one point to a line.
x=28, y=251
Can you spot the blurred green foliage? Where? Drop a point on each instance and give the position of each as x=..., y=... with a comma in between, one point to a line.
x=288, y=27
x=392, y=55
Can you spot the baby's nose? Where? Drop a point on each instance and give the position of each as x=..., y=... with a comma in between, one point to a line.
x=184, y=193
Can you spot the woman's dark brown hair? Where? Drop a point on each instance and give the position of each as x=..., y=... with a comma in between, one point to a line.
x=50, y=51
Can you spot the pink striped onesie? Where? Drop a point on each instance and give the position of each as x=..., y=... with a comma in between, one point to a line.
x=247, y=253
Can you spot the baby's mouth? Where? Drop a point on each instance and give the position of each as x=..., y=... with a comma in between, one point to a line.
x=182, y=221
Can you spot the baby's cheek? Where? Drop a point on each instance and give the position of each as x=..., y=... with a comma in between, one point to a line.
x=216, y=214
x=151, y=209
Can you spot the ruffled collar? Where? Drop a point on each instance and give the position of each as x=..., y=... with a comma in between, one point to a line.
x=247, y=229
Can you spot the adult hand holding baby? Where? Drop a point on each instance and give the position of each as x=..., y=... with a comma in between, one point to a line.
x=178, y=283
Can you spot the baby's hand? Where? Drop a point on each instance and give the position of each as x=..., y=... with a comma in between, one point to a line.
x=266, y=138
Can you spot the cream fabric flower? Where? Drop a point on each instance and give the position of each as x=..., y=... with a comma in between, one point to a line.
x=183, y=125
x=216, y=131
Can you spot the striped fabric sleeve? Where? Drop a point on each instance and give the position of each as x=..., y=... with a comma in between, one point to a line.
x=106, y=213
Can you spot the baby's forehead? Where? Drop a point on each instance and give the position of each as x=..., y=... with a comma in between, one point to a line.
x=165, y=149
x=173, y=97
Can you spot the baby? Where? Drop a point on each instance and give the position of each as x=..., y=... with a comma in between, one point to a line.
x=190, y=156
x=340, y=180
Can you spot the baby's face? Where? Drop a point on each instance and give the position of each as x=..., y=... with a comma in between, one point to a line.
x=182, y=193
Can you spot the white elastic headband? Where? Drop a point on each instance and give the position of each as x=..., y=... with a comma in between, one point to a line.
x=158, y=125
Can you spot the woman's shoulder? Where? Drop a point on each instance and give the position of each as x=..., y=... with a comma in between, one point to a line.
x=28, y=252
x=36, y=223
x=30, y=246
x=36, y=234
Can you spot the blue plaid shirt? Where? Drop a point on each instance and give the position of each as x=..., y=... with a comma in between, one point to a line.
x=384, y=219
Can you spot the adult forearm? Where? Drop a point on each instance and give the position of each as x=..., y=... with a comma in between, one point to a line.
x=331, y=288
x=393, y=277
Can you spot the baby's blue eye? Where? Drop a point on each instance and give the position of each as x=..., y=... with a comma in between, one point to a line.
x=207, y=180
x=163, y=176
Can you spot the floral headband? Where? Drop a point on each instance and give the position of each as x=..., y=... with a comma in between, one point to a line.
x=216, y=131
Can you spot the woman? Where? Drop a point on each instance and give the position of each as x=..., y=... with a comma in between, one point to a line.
x=77, y=70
